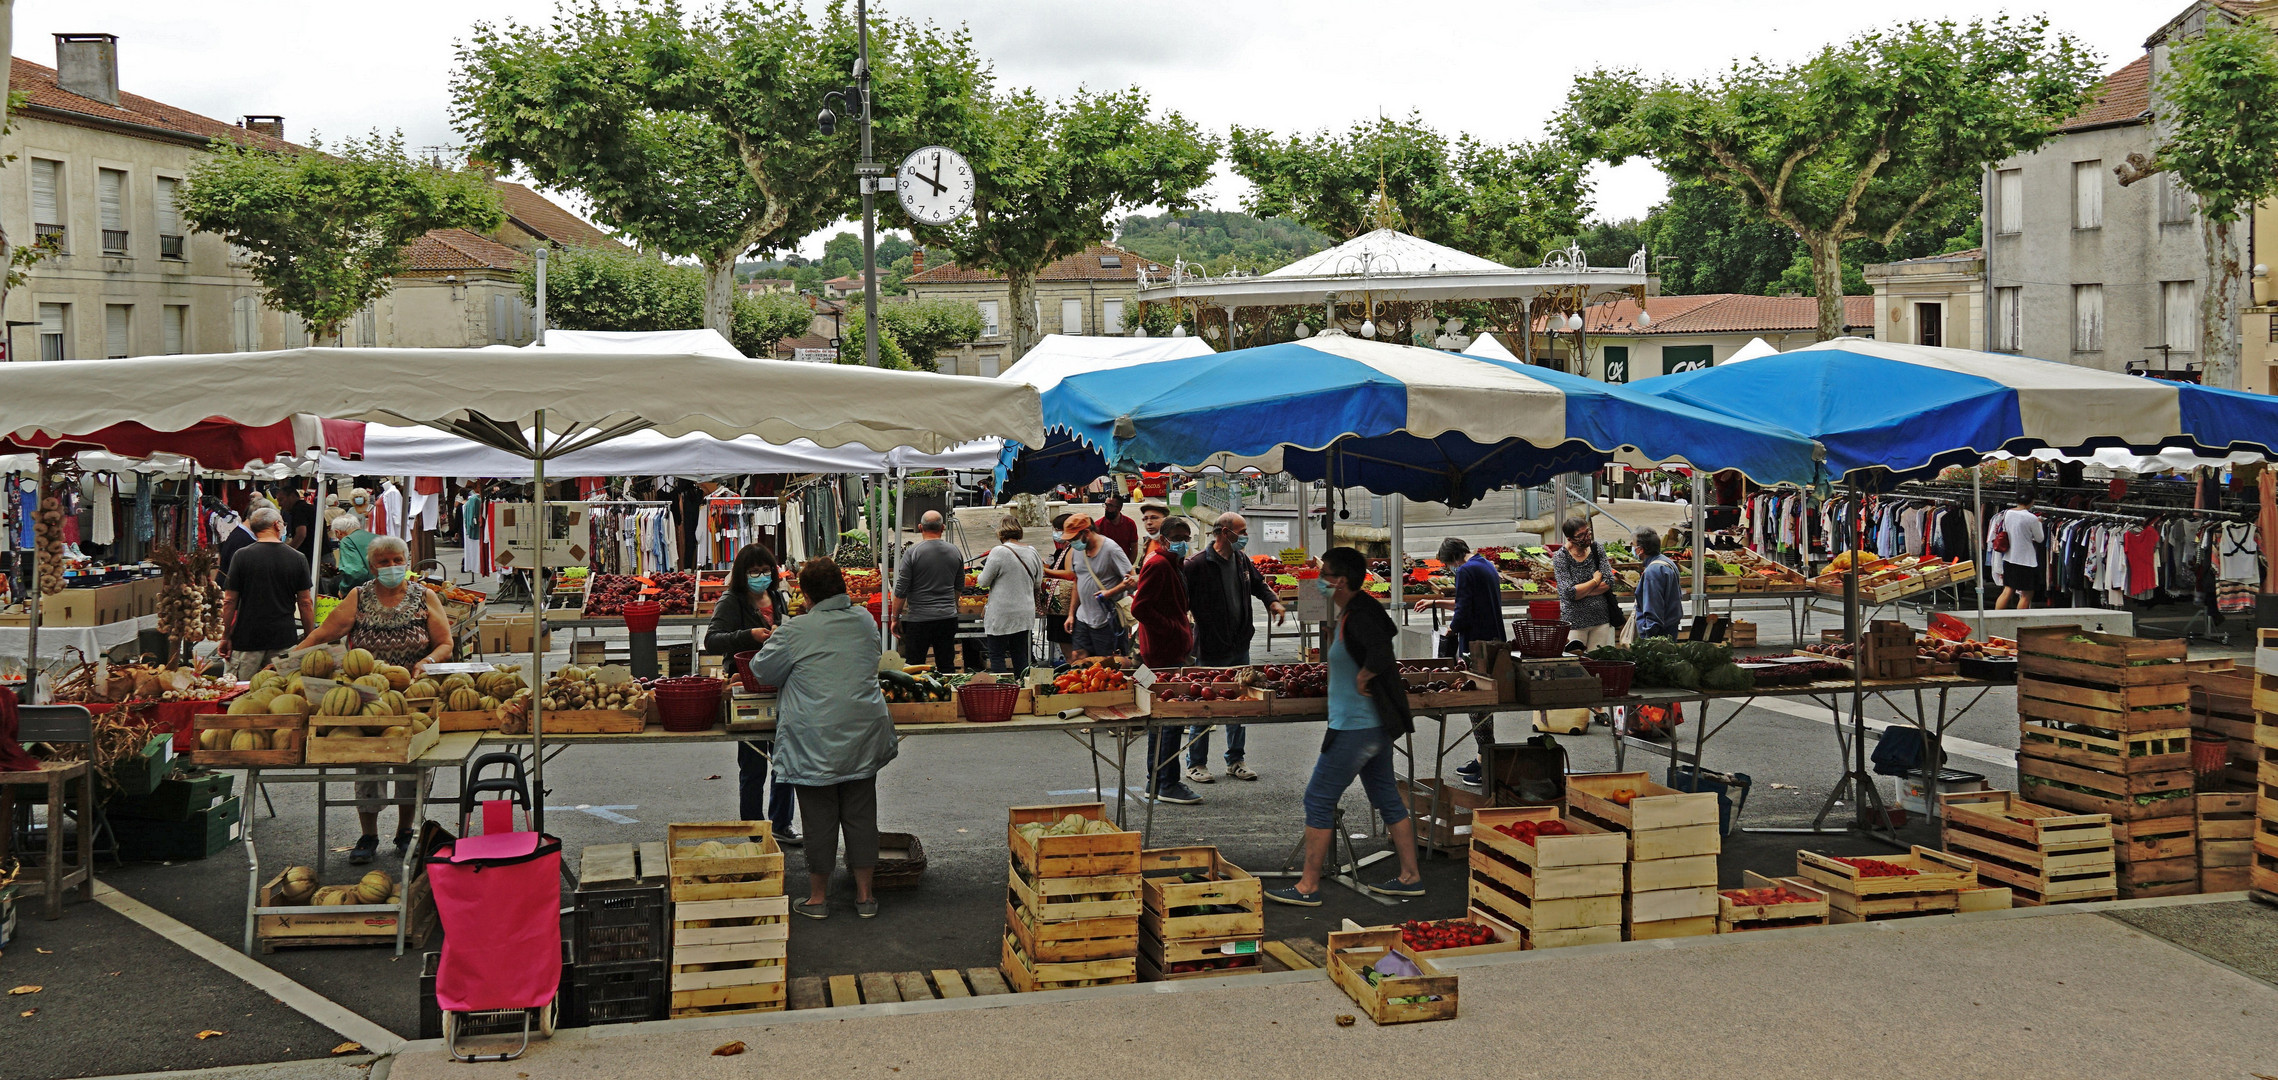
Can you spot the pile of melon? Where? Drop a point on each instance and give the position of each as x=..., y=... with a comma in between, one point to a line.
x=461, y=692
x=271, y=694
x=714, y=849
x=347, y=698
x=299, y=887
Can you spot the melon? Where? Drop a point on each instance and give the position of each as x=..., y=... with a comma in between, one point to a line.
x=377, y=684
x=295, y=686
x=265, y=677
x=245, y=740
x=398, y=732
x=375, y=709
x=213, y=739
x=489, y=703
x=265, y=695
x=422, y=688
x=316, y=664
x=246, y=705
x=358, y=663
x=298, y=885
x=375, y=887
x=288, y=705
x=465, y=699
x=456, y=680
x=341, y=701
x=395, y=702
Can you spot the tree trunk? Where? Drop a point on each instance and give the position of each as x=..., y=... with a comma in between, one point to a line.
x=1827, y=283
x=2219, y=303
x=1021, y=294
x=720, y=295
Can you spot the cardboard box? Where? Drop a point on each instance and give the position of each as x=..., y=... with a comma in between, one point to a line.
x=506, y=635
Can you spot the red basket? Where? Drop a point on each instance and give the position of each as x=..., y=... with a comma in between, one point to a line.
x=689, y=703
x=2210, y=753
x=641, y=616
x=1538, y=638
x=741, y=662
x=1545, y=610
x=987, y=703
x=1613, y=674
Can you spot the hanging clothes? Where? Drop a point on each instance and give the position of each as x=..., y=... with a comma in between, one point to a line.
x=2238, y=567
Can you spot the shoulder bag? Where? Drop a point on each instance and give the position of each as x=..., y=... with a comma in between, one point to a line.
x=1123, y=616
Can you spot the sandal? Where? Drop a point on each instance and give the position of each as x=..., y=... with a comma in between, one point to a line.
x=1240, y=771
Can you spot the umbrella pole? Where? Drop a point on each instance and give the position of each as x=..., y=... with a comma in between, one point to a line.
x=32, y=632
x=538, y=630
x=1700, y=549
x=1977, y=542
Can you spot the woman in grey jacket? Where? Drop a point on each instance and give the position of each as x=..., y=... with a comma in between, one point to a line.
x=832, y=731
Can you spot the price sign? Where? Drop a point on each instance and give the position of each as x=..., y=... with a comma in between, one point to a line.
x=1276, y=532
x=1617, y=370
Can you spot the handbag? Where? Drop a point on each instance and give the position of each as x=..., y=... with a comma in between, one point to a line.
x=2001, y=534
x=1052, y=596
x=1123, y=616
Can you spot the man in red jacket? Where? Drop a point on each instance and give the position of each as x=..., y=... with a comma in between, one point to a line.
x=1113, y=525
x=1165, y=639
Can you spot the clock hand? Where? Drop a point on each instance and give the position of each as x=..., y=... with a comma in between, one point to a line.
x=935, y=179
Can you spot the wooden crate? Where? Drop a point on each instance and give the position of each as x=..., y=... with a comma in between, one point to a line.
x=1051, y=899
x=475, y=720
x=1083, y=855
x=1652, y=806
x=2046, y=855
x=1025, y=975
x=924, y=712
x=2103, y=659
x=1854, y=897
x=1573, y=936
x=2220, y=879
x=729, y=955
x=1682, y=872
x=1665, y=905
x=2225, y=815
x=2154, y=707
x=1558, y=883
x=594, y=721
x=1247, y=700
x=1352, y=952
x=1985, y=898
x=295, y=725
x=1508, y=938
x=1050, y=704
x=369, y=746
x=2125, y=796
x=2166, y=750
x=1069, y=940
x=2156, y=839
x=1441, y=811
x=2161, y=877
x=1218, y=956
x=1224, y=885
x=1733, y=916
x=1694, y=926
x=1587, y=845
x=1481, y=691
x=696, y=877
x=320, y=925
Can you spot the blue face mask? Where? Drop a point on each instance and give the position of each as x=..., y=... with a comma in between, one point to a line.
x=1242, y=542
x=391, y=576
x=760, y=582
x=1178, y=548
x=1326, y=588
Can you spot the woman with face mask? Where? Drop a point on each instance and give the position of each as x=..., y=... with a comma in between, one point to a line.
x=351, y=566
x=399, y=621
x=1011, y=573
x=742, y=621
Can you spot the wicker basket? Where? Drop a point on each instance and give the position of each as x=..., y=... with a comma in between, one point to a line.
x=1537, y=638
x=898, y=873
x=1613, y=674
x=988, y=703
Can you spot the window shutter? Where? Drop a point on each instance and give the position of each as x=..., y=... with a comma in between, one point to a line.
x=1071, y=316
x=115, y=318
x=47, y=184
x=169, y=222
x=174, y=330
x=111, y=194
x=2087, y=194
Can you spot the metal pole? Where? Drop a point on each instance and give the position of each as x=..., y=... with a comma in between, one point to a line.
x=1396, y=520
x=1977, y=544
x=39, y=553
x=537, y=678
x=541, y=339
x=868, y=171
x=1700, y=545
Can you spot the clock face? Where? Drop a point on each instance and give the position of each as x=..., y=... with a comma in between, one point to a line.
x=935, y=184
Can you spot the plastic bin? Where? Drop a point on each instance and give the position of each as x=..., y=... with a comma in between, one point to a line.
x=1731, y=792
x=617, y=926
x=616, y=993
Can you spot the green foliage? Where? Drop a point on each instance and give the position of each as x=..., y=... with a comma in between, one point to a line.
x=1797, y=279
x=1160, y=319
x=2222, y=132
x=601, y=289
x=1510, y=203
x=890, y=354
x=326, y=230
x=1715, y=244
x=1221, y=240
x=1853, y=143
x=923, y=328
x=763, y=321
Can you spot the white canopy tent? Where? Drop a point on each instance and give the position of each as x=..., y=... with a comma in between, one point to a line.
x=426, y=451
x=1486, y=345
x=1058, y=356
x=1756, y=347
x=1391, y=265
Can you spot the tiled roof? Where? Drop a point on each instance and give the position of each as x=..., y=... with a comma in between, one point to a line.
x=547, y=220
x=1084, y=266
x=789, y=345
x=446, y=251
x=1718, y=313
x=2124, y=97
x=1951, y=256
x=37, y=82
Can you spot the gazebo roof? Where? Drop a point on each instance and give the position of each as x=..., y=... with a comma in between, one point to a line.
x=1390, y=264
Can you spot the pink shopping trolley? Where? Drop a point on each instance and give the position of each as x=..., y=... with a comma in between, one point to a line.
x=498, y=896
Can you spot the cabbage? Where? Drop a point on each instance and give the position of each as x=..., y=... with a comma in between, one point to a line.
x=1729, y=678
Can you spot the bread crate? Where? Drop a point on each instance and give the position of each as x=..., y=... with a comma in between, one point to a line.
x=1090, y=854
x=1856, y=894
x=1556, y=882
x=729, y=955
x=733, y=875
x=1736, y=911
x=1193, y=893
x=2046, y=855
x=1391, y=999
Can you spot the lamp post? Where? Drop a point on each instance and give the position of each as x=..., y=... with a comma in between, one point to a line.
x=866, y=171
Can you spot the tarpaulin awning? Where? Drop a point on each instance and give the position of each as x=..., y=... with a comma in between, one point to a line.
x=214, y=443
x=426, y=451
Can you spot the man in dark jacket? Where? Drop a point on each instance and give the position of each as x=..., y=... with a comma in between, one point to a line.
x=1219, y=585
x=1477, y=618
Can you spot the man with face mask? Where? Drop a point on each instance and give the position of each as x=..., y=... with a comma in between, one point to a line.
x=1220, y=582
x=1166, y=638
x=1113, y=525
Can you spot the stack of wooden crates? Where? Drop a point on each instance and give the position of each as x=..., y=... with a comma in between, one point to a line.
x=2104, y=729
x=1203, y=914
x=1673, y=839
x=730, y=921
x=1073, y=902
x=2264, y=877
x=2044, y=855
x=1561, y=889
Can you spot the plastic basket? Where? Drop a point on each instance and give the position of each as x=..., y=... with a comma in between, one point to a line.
x=641, y=616
x=1613, y=674
x=988, y=703
x=1545, y=610
x=903, y=872
x=1538, y=638
x=689, y=703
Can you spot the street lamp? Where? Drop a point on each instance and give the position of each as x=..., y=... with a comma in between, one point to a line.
x=866, y=171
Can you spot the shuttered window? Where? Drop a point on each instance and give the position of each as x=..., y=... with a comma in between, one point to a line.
x=2088, y=318
x=117, y=322
x=174, y=329
x=111, y=198
x=169, y=219
x=1111, y=316
x=2179, y=315
x=2088, y=194
x=2009, y=201
x=2008, y=325
x=47, y=199
x=55, y=326
x=1071, y=316
x=245, y=323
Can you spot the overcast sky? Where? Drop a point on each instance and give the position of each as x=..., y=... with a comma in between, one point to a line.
x=1495, y=68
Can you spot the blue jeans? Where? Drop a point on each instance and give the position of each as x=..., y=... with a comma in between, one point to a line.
x=1163, y=756
x=1098, y=640
x=756, y=802
x=1008, y=653
x=1366, y=754
x=1237, y=735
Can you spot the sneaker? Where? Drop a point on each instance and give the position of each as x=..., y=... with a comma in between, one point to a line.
x=1470, y=773
x=867, y=909
x=365, y=851
x=786, y=836
x=1288, y=894
x=1199, y=774
x=1240, y=771
x=1177, y=793
x=402, y=843
x=812, y=910
x=1397, y=887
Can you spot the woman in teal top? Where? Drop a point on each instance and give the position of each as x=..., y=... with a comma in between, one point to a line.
x=1368, y=708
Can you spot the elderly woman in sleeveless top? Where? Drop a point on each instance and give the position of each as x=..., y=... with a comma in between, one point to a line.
x=398, y=621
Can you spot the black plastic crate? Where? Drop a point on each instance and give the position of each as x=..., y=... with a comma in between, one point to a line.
x=507, y=1022
x=176, y=798
x=618, y=993
x=619, y=926
x=206, y=832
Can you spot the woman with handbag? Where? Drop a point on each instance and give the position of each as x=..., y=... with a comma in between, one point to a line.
x=1055, y=594
x=1586, y=587
x=1011, y=573
x=1103, y=577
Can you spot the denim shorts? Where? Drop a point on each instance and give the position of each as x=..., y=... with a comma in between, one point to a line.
x=1098, y=640
x=1365, y=753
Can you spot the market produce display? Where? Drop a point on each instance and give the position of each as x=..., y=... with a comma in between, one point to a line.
x=1296, y=680
x=915, y=683
x=1525, y=830
x=298, y=886
x=1877, y=867
x=47, y=532
x=1769, y=897
x=607, y=594
x=189, y=599
x=1431, y=935
x=608, y=687
x=1200, y=684
x=1681, y=665
x=1095, y=677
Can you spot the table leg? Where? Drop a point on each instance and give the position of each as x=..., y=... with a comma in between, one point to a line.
x=51, y=881
x=87, y=812
x=252, y=861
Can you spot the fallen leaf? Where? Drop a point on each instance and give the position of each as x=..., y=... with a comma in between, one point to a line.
x=349, y=1048
x=728, y=1049
x=112, y=973
x=43, y=952
x=24, y=990
x=714, y=776
x=1344, y=1019
x=27, y=1012
x=210, y=1033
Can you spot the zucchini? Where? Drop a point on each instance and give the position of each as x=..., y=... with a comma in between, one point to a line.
x=897, y=678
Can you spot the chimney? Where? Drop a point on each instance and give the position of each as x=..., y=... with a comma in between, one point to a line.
x=272, y=126
x=88, y=65
x=917, y=261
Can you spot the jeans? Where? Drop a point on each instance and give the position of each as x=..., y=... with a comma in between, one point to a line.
x=1237, y=735
x=1163, y=755
x=937, y=636
x=1008, y=653
x=852, y=807
x=1363, y=753
x=1483, y=734
x=1098, y=640
x=753, y=776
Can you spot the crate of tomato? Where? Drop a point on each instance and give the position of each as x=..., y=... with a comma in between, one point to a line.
x=1768, y=903
x=1474, y=934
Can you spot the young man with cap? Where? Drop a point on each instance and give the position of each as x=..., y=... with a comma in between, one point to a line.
x=1102, y=574
x=1477, y=618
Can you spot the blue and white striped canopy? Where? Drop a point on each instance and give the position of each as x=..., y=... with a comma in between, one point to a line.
x=1911, y=410
x=1392, y=419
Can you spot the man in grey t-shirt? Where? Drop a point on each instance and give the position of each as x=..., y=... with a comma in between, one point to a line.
x=925, y=596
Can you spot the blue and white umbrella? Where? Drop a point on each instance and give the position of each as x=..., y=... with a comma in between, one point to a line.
x=1889, y=411
x=1392, y=419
